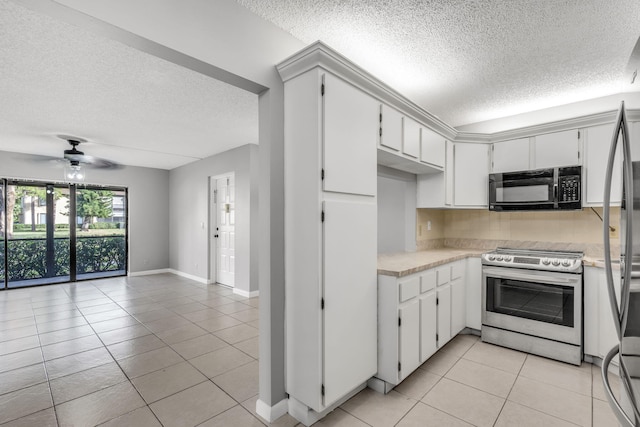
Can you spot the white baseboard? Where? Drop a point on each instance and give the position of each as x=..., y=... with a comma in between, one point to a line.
x=189, y=276
x=246, y=294
x=272, y=413
x=149, y=272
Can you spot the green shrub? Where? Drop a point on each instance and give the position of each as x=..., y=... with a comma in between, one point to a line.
x=39, y=227
x=26, y=258
x=103, y=226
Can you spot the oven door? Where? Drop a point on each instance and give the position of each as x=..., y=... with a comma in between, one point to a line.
x=538, y=303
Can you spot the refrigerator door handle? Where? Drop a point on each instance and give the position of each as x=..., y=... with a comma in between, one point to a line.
x=628, y=200
x=622, y=417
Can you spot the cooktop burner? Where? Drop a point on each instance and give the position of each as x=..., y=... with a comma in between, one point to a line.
x=535, y=259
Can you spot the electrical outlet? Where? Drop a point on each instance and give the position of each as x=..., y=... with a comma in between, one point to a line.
x=428, y=225
x=613, y=233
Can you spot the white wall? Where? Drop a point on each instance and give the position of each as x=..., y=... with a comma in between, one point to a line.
x=396, y=211
x=189, y=210
x=148, y=202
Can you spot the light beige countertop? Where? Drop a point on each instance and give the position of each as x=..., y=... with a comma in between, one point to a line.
x=599, y=262
x=405, y=263
x=588, y=261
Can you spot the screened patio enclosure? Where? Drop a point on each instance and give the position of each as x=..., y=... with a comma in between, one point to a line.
x=54, y=233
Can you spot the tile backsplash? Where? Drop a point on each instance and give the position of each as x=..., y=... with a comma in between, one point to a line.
x=571, y=227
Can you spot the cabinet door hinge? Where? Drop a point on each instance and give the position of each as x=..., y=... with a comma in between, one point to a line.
x=322, y=174
x=322, y=89
x=578, y=134
x=380, y=117
x=322, y=389
x=380, y=131
x=322, y=216
x=399, y=366
x=322, y=304
x=399, y=321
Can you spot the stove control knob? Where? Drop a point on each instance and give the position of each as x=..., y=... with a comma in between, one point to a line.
x=566, y=263
x=555, y=262
x=491, y=257
x=546, y=261
x=507, y=258
x=499, y=258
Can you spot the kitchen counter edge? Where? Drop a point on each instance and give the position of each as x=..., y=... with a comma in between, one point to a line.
x=406, y=263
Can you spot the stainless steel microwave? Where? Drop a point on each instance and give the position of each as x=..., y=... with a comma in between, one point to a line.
x=534, y=190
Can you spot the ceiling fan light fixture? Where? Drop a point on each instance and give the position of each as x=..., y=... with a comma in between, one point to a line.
x=74, y=173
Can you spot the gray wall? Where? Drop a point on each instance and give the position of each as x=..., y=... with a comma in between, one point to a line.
x=189, y=210
x=148, y=202
x=396, y=211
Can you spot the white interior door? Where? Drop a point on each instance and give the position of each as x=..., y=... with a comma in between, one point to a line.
x=225, y=231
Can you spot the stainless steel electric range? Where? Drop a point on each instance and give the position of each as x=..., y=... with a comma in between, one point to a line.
x=532, y=301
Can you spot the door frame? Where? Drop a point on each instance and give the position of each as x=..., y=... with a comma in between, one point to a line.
x=213, y=220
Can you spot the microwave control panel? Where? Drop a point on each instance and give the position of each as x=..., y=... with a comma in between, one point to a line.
x=569, y=188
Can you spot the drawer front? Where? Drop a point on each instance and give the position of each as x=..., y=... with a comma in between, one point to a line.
x=428, y=281
x=457, y=270
x=409, y=288
x=444, y=275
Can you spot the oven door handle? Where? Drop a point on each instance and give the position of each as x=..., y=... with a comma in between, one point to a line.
x=530, y=277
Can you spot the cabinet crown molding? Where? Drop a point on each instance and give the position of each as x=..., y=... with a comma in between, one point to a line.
x=320, y=55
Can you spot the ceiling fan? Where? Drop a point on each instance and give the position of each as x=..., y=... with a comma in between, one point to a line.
x=77, y=159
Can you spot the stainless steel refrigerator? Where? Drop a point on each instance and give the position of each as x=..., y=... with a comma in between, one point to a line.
x=626, y=309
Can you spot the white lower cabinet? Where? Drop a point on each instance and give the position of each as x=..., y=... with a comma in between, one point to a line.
x=409, y=342
x=444, y=315
x=417, y=315
x=428, y=324
x=473, y=293
x=599, y=330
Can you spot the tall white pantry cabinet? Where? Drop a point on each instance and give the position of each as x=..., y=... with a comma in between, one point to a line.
x=330, y=238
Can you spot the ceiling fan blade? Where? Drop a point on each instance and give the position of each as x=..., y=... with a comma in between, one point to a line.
x=98, y=163
x=74, y=157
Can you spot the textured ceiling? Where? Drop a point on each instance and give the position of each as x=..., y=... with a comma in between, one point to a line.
x=134, y=108
x=468, y=61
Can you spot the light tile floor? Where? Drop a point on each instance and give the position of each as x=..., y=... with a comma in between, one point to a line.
x=164, y=350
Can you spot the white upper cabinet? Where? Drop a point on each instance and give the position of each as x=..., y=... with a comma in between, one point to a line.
x=634, y=137
x=510, y=156
x=449, y=174
x=350, y=127
x=557, y=149
x=596, y=156
x=410, y=137
x=471, y=175
x=432, y=148
x=390, y=131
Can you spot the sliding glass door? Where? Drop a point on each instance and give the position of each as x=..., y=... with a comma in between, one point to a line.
x=101, y=228
x=54, y=233
x=3, y=235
